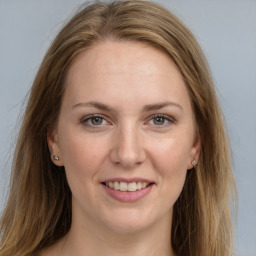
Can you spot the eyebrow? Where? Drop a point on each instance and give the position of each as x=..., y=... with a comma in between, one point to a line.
x=158, y=106
x=146, y=108
x=94, y=104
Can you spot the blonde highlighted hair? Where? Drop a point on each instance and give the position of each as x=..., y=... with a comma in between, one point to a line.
x=38, y=211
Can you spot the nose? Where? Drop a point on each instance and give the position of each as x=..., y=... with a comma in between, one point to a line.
x=127, y=150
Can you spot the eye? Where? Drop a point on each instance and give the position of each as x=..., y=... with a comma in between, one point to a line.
x=161, y=120
x=94, y=121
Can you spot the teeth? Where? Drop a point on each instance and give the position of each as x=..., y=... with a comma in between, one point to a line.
x=124, y=186
x=116, y=185
x=132, y=186
x=139, y=185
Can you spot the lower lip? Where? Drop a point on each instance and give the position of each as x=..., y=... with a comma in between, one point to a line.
x=127, y=196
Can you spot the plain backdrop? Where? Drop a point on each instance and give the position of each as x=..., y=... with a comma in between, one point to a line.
x=226, y=30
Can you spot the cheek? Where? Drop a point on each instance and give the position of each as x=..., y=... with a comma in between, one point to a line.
x=172, y=153
x=170, y=159
x=82, y=158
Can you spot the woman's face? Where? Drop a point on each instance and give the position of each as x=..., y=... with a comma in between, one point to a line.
x=125, y=136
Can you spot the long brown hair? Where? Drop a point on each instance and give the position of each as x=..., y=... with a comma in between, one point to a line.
x=38, y=211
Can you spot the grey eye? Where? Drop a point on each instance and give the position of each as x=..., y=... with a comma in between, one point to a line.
x=96, y=120
x=159, y=120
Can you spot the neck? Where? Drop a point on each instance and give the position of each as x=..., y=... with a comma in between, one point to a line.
x=84, y=239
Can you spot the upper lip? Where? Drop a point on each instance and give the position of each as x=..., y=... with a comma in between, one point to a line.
x=128, y=180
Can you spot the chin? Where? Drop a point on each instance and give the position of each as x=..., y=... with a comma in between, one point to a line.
x=130, y=221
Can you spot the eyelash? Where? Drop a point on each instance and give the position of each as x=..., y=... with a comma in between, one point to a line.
x=86, y=120
x=165, y=117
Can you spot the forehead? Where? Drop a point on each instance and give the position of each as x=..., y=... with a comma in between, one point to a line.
x=124, y=56
x=132, y=70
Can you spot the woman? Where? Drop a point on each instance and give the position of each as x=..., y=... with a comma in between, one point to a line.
x=123, y=149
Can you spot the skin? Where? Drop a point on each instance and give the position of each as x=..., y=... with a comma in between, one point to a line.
x=126, y=141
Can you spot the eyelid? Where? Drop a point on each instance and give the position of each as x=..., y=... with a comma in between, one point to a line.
x=88, y=117
x=168, y=118
x=91, y=116
x=171, y=120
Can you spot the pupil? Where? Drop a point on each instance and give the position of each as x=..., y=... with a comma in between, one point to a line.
x=159, y=120
x=97, y=120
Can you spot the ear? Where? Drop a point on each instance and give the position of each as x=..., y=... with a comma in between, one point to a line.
x=53, y=144
x=194, y=152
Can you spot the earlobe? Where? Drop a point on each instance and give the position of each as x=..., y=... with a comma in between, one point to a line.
x=194, y=153
x=53, y=145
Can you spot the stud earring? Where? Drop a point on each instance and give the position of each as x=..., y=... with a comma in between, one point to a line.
x=56, y=158
x=194, y=162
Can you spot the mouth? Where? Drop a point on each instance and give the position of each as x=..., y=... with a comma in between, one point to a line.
x=127, y=186
x=128, y=190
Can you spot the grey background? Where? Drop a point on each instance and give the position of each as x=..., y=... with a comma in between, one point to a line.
x=226, y=30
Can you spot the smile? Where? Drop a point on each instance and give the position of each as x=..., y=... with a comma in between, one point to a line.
x=127, y=186
x=128, y=190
